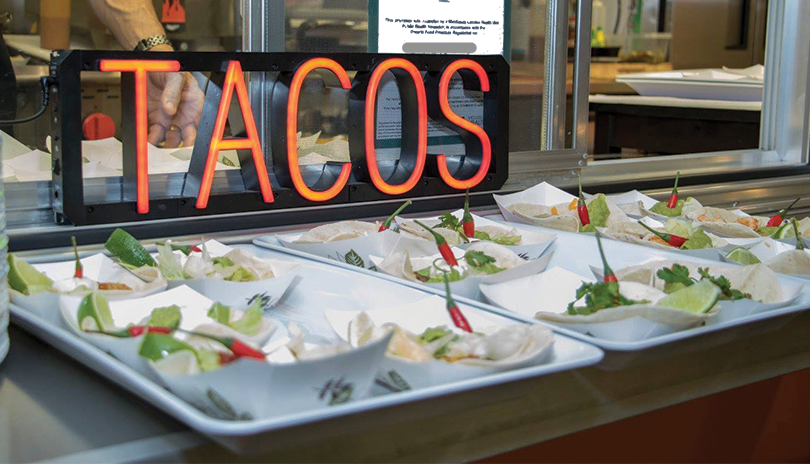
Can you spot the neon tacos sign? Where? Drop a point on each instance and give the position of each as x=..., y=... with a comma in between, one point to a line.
x=276, y=181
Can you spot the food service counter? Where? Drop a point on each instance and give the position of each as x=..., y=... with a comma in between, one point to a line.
x=53, y=408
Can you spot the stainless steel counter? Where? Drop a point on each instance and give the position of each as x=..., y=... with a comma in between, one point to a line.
x=53, y=408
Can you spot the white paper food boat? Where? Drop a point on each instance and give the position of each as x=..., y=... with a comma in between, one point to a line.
x=633, y=202
x=720, y=229
x=724, y=245
x=550, y=292
x=546, y=195
x=193, y=308
x=239, y=295
x=99, y=268
x=248, y=389
x=399, y=373
x=769, y=249
x=541, y=194
x=354, y=251
x=731, y=310
x=792, y=241
x=469, y=286
x=534, y=242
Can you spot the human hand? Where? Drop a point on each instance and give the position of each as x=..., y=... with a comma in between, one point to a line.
x=175, y=104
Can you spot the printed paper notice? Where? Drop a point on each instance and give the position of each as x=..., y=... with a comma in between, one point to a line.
x=473, y=27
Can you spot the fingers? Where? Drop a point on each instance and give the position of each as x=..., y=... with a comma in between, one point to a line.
x=170, y=99
x=156, y=133
x=189, y=133
x=172, y=138
x=180, y=104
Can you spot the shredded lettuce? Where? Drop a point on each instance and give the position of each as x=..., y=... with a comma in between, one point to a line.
x=242, y=275
x=432, y=334
x=251, y=321
x=208, y=359
x=169, y=263
x=698, y=241
x=249, y=324
x=220, y=313
x=507, y=240
x=222, y=261
x=598, y=211
x=424, y=275
x=678, y=227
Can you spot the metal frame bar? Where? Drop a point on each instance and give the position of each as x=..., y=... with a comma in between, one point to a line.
x=554, y=91
x=263, y=30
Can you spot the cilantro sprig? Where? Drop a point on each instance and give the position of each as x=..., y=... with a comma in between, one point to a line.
x=599, y=296
x=448, y=221
x=508, y=240
x=677, y=277
x=482, y=262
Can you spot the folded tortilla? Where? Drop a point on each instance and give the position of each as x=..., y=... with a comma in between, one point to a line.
x=336, y=231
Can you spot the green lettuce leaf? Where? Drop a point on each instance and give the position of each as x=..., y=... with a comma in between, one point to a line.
x=241, y=275
x=662, y=209
x=250, y=322
x=167, y=316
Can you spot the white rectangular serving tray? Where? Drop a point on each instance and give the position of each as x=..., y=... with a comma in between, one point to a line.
x=704, y=84
x=576, y=253
x=307, y=300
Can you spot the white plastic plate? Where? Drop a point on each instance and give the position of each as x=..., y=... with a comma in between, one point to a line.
x=332, y=286
x=578, y=252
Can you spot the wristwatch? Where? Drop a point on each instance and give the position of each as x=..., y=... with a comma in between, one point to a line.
x=151, y=42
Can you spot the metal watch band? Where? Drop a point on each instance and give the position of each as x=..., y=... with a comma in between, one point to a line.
x=151, y=42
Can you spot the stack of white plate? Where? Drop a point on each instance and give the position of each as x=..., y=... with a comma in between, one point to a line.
x=3, y=271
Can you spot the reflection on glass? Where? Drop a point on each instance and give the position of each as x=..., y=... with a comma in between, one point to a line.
x=675, y=77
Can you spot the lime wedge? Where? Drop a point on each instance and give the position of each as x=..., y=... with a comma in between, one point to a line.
x=698, y=298
x=128, y=249
x=95, y=307
x=157, y=346
x=25, y=278
x=783, y=231
x=742, y=256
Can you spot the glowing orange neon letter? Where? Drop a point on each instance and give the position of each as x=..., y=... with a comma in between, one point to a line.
x=451, y=116
x=292, y=130
x=141, y=68
x=234, y=79
x=370, y=126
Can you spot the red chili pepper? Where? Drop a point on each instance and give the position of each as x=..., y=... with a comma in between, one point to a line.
x=777, y=218
x=441, y=244
x=673, y=197
x=136, y=330
x=387, y=223
x=185, y=249
x=609, y=276
x=582, y=208
x=672, y=240
x=79, y=273
x=244, y=350
x=799, y=241
x=133, y=331
x=458, y=318
x=239, y=348
x=467, y=221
